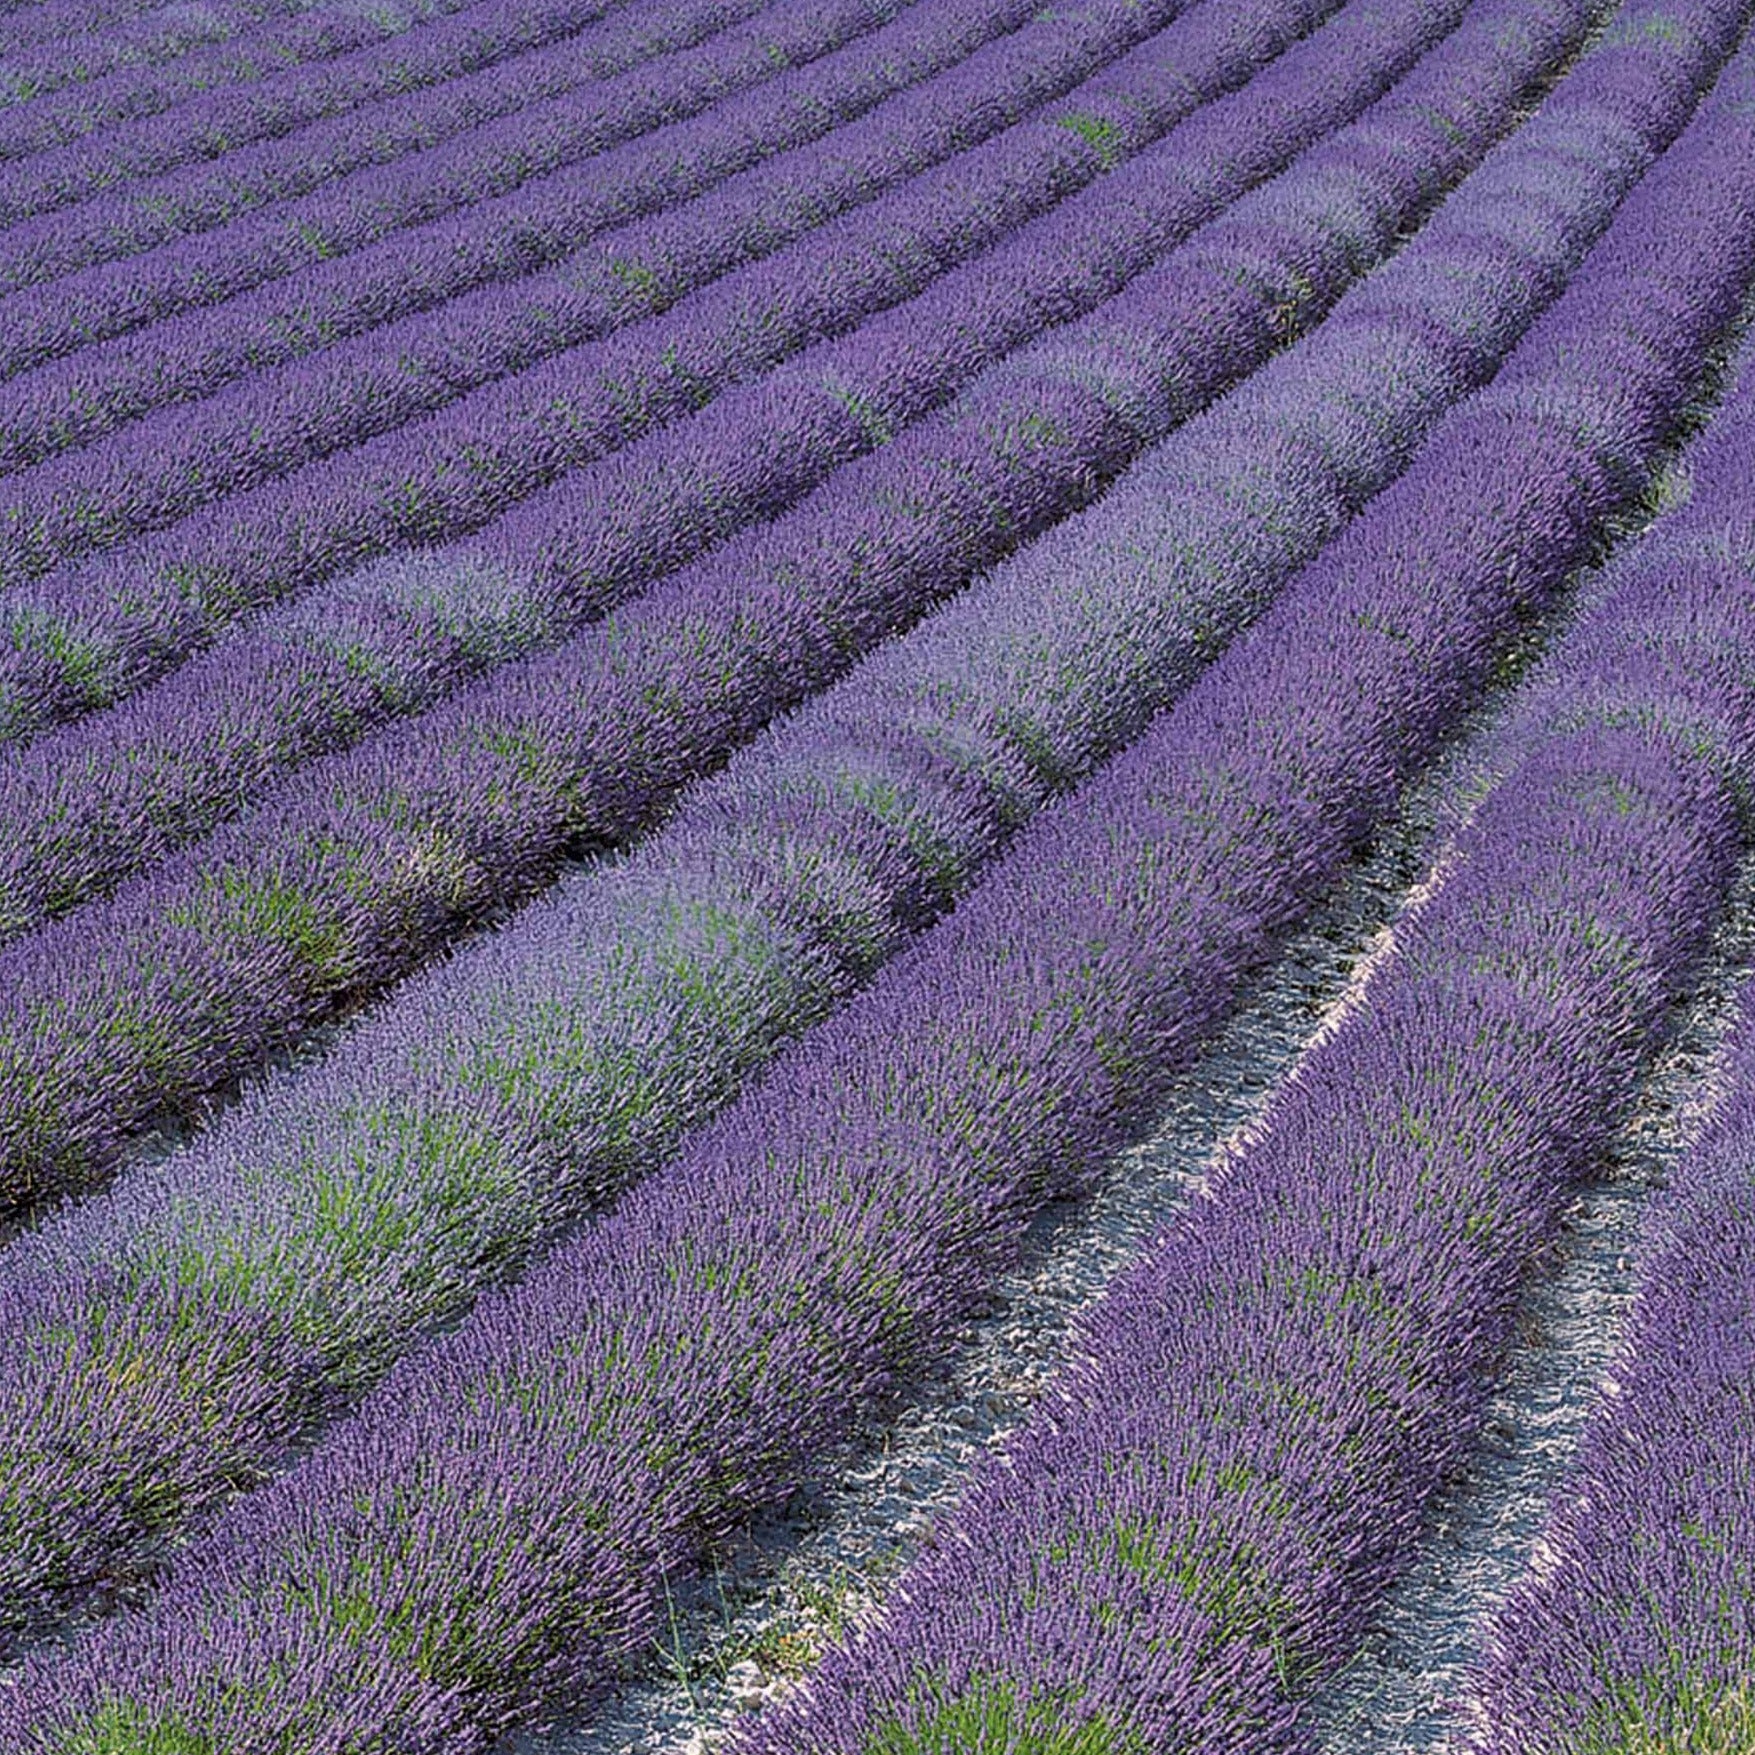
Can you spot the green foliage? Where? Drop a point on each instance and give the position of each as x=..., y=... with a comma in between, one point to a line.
x=316, y=240
x=210, y=588
x=80, y=662
x=1442, y=124
x=273, y=910
x=1654, y=30
x=989, y=1717
x=121, y=1728
x=872, y=424
x=635, y=276
x=1673, y=1712
x=1101, y=134
x=943, y=863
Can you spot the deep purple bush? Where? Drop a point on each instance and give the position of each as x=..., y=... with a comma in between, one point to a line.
x=684, y=1359
x=592, y=743
x=160, y=469
x=1640, y=1628
x=645, y=140
x=59, y=89
x=479, y=114
x=68, y=402
x=65, y=50
x=42, y=21
x=538, y=46
x=982, y=1070
x=154, y=773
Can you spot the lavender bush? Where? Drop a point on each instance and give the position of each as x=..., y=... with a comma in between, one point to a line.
x=686, y=152
x=36, y=784
x=160, y=469
x=165, y=210
x=472, y=55
x=946, y=525
x=96, y=630
x=1192, y=1531
x=1113, y=932
x=1638, y=1631
x=685, y=1358
x=71, y=401
x=79, y=84
x=551, y=749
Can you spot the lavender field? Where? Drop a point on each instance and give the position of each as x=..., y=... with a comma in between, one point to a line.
x=877, y=877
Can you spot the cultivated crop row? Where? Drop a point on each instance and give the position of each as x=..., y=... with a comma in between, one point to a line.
x=1638, y=1630
x=32, y=25
x=37, y=21
x=495, y=1527
x=492, y=117
x=284, y=1261
x=158, y=470
x=73, y=400
x=488, y=35
x=1193, y=1531
x=73, y=90
x=62, y=47
x=193, y=199
x=669, y=366
x=426, y=826
x=684, y=153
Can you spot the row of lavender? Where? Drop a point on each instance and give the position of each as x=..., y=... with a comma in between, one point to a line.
x=375, y=856
x=715, y=1064
x=538, y=90
x=178, y=1334
x=107, y=797
x=72, y=401
x=478, y=111
x=494, y=1528
x=47, y=20
x=286, y=534
x=96, y=37
x=914, y=218
x=686, y=152
x=267, y=980
x=72, y=40
x=472, y=53
x=58, y=46
x=29, y=23
x=1639, y=1631
x=116, y=77
x=1193, y=1530
x=507, y=439
x=195, y=117
x=24, y=23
